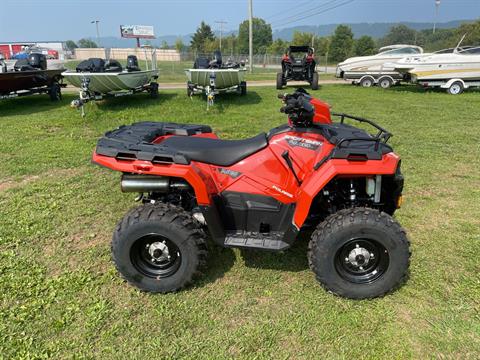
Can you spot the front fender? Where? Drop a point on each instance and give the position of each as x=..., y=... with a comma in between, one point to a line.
x=338, y=167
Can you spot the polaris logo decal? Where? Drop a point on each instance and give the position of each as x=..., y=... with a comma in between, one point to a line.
x=294, y=141
x=232, y=173
x=275, y=187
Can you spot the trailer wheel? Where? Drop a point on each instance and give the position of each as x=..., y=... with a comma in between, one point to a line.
x=243, y=88
x=456, y=88
x=159, y=248
x=189, y=90
x=385, y=82
x=367, y=82
x=359, y=253
x=153, y=90
x=280, y=81
x=55, y=92
x=314, y=84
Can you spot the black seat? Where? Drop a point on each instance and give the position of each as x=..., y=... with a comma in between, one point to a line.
x=215, y=151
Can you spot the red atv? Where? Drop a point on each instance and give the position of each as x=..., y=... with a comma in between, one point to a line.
x=259, y=193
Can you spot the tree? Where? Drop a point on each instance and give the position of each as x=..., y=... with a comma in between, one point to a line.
x=230, y=44
x=365, y=46
x=341, y=46
x=400, y=34
x=473, y=33
x=87, y=43
x=204, y=33
x=303, y=38
x=70, y=45
x=211, y=45
x=165, y=45
x=262, y=36
x=277, y=47
x=179, y=45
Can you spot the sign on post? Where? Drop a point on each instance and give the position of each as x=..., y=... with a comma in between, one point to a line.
x=137, y=31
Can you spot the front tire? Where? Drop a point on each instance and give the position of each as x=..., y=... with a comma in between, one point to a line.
x=367, y=82
x=159, y=248
x=359, y=253
x=280, y=81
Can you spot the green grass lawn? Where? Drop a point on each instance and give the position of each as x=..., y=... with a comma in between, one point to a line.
x=60, y=296
x=174, y=71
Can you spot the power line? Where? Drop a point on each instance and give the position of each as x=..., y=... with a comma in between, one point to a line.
x=283, y=11
x=319, y=12
x=315, y=8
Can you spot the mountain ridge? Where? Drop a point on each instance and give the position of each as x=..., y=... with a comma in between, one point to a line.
x=375, y=30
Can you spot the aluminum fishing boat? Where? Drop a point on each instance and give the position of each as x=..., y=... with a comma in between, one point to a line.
x=213, y=77
x=30, y=76
x=98, y=78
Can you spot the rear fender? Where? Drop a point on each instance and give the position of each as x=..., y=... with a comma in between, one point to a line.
x=201, y=182
x=320, y=178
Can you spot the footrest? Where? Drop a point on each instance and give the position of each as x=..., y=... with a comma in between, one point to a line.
x=271, y=241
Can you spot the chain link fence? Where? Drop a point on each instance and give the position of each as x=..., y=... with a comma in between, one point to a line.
x=259, y=60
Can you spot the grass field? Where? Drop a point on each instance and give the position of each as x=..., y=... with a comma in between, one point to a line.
x=174, y=71
x=60, y=296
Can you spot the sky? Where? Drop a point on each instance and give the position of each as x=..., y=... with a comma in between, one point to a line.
x=37, y=20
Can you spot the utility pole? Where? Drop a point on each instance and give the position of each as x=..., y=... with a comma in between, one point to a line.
x=98, y=33
x=437, y=5
x=221, y=22
x=250, y=34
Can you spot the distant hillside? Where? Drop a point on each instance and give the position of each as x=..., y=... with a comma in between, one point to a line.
x=376, y=30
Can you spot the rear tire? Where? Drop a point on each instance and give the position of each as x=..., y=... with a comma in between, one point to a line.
x=159, y=248
x=367, y=82
x=154, y=90
x=456, y=88
x=359, y=253
x=314, y=84
x=385, y=82
x=55, y=92
x=280, y=81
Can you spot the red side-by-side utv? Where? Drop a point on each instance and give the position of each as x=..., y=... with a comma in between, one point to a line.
x=259, y=193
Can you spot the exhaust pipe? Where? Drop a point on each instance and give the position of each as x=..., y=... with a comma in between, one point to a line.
x=151, y=183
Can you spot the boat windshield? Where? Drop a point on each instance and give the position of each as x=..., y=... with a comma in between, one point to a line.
x=404, y=50
x=471, y=51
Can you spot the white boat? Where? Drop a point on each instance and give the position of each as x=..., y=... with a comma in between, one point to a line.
x=213, y=77
x=464, y=64
x=453, y=70
x=98, y=78
x=375, y=69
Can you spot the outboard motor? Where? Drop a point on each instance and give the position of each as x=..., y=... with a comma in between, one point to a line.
x=37, y=61
x=132, y=63
x=217, y=59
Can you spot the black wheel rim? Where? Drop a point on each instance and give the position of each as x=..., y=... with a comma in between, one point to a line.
x=155, y=256
x=362, y=261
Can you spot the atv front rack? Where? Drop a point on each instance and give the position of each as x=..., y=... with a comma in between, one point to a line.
x=358, y=148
